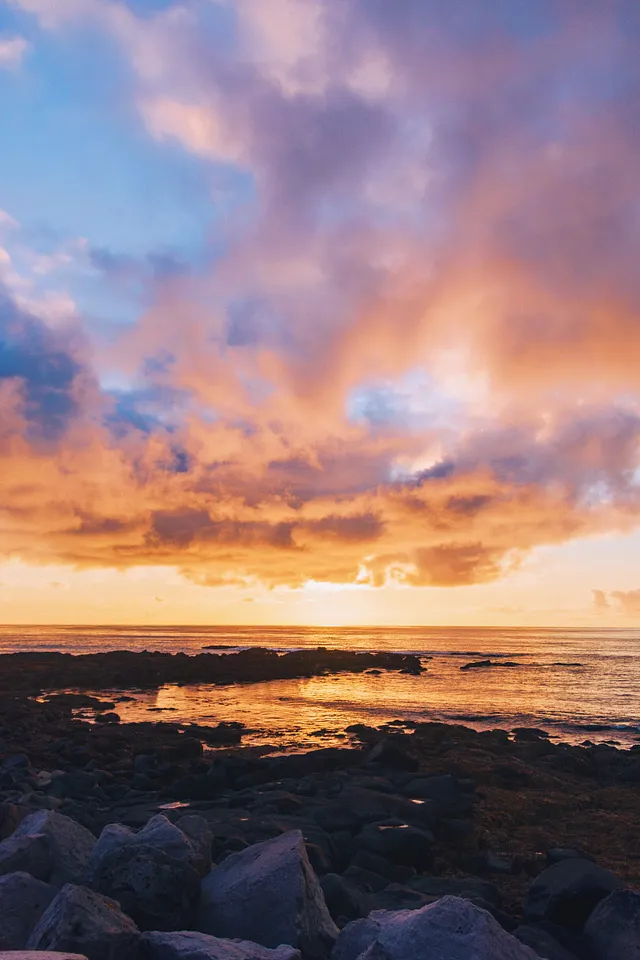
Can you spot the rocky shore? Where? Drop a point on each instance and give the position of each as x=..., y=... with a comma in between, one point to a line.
x=133, y=841
x=33, y=673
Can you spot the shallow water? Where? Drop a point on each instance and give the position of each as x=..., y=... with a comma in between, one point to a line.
x=577, y=684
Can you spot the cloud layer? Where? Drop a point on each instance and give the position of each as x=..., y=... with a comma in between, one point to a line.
x=414, y=352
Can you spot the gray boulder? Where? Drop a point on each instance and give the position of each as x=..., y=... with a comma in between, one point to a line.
x=450, y=929
x=543, y=942
x=269, y=894
x=23, y=900
x=188, y=945
x=160, y=892
x=56, y=847
x=190, y=841
x=82, y=921
x=613, y=929
x=567, y=892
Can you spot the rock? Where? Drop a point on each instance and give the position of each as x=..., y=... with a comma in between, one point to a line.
x=478, y=665
x=398, y=842
x=62, y=847
x=341, y=899
x=613, y=929
x=23, y=900
x=467, y=887
x=192, y=848
x=391, y=753
x=26, y=855
x=40, y=955
x=395, y=872
x=268, y=893
x=445, y=791
x=188, y=945
x=538, y=937
x=556, y=854
x=450, y=929
x=529, y=734
x=160, y=892
x=567, y=892
x=80, y=920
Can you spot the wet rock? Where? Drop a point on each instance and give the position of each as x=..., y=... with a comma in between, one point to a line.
x=400, y=843
x=269, y=894
x=58, y=847
x=529, y=734
x=451, y=798
x=23, y=900
x=451, y=928
x=478, y=665
x=567, y=892
x=391, y=752
x=160, y=892
x=79, y=920
x=189, y=945
x=613, y=929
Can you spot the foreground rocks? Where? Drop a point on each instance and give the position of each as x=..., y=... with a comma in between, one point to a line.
x=270, y=894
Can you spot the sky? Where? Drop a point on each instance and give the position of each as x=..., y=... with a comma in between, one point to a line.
x=320, y=312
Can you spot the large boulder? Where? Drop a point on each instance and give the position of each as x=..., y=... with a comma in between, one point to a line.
x=567, y=892
x=188, y=945
x=269, y=894
x=613, y=929
x=23, y=900
x=82, y=921
x=160, y=892
x=56, y=847
x=450, y=929
x=188, y=841
x=543, y=942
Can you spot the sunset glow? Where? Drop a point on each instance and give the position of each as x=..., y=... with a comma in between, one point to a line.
x=319, y=313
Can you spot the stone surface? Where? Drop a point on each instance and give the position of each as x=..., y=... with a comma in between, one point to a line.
x=543, y=942
x=160, y=892
x=67, y=846
x=189, y=945
x=613, y=929
x=269, y=894
x=191, y=845
x=27, y=855
x=82, y=921
x=23, y=900
x=398, y=842
x=39, y=955
x=567, y=892
x=450, y=929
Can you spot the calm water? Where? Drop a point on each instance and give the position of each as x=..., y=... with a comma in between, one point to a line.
x=577, y=684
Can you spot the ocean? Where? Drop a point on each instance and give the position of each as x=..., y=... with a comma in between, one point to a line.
x=576, y=684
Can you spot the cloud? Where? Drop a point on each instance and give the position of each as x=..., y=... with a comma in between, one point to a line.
x=12, y=53
x=414, y=353
x=628, y=600
x=600, y=600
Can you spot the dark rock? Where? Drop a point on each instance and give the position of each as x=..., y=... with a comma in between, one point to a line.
x=478, y=665
x=394, y=872
x=399, y=843
x=107, y=718
x=159, y=891
x=467, y=887
x=23, y=900
x=567, y=892
x=82, y=921
x=613, y=929
x=529, y=734
x=391, y=752
x=189, y=945
x=445, y=791
x=268, y=894
x=556, y=854
x=342, y=899
x=368, y=881
x=539, y=938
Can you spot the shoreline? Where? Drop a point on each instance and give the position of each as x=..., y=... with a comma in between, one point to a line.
x=522, y=794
